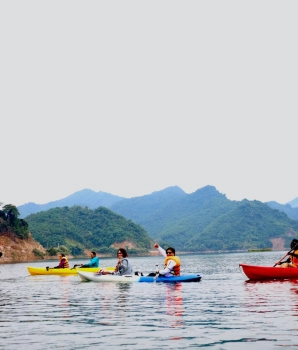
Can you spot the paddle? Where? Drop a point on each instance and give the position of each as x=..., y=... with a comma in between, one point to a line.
x=156, y=272
x=75, y=266
x=288, y=253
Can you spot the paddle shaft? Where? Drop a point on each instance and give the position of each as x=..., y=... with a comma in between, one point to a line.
x=156, y=272
x=288, y=253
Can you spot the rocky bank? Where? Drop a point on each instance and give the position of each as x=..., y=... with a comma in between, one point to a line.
x=14, y=249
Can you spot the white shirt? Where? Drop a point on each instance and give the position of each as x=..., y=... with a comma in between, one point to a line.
x=170, y=265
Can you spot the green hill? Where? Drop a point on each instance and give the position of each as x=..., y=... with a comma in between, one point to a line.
x=148, y=211
x=79, y=228
x=250, y=225
x=180, y=218
x=207, y=220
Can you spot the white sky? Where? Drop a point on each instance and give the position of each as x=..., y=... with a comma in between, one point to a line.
x=131, y=97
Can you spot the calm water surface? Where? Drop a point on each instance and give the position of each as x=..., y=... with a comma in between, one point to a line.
x=223, y=311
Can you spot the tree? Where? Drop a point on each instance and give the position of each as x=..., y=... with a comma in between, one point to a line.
x=11, y=212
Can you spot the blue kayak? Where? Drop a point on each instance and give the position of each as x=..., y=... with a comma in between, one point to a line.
x=90, y=276
x=191, y=277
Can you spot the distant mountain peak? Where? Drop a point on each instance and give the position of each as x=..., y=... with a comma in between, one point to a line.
x=293, y=203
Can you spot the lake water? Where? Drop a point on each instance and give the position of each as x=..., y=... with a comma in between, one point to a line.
x=223, y=311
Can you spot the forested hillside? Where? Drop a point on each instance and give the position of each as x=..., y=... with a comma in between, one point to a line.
x=180, y=217
x=201, y=221
x=250, y=225
x=207, y=220
x=150, y=209
x=79, y=228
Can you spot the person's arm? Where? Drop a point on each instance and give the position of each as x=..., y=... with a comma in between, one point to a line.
x=86, y=265
x=169, y=268
x=123, y=266
x=161, y=250
x=60, y=266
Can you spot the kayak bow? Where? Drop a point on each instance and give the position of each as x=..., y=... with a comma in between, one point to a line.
x=268, y=272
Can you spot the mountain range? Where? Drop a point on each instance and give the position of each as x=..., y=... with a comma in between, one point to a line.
x=200, y=221
x=92, y=200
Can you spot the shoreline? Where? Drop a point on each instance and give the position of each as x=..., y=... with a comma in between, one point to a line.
x=152, y=253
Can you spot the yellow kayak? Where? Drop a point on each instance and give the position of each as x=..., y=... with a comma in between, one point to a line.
x=70, y=271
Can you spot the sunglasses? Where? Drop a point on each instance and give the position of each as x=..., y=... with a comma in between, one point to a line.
x=169, y=252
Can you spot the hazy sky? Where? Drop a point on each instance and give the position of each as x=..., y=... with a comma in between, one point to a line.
x=131, y=97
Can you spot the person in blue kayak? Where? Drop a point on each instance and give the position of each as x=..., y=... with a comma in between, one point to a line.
x=172, y=262
x=123, y=266
x=94, y=261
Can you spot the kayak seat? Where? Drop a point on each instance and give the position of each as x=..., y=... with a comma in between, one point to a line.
x=138, y=273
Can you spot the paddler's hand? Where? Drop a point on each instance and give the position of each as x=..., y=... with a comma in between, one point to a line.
x=156, y=245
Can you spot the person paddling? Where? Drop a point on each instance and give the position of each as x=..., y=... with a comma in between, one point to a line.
x=94, y=261
x=292, y=261
x=172, y=262
x=63, y=264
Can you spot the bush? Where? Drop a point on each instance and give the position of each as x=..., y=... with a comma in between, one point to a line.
x=76, y=251
x=38, y=253
x=107, y=250
x=64, y=250
x=52, y=251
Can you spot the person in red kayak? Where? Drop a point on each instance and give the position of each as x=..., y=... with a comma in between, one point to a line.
x=292, y=261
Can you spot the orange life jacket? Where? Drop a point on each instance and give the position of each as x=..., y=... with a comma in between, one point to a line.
x=176, y=269
x=66, y=263
x=294, y=260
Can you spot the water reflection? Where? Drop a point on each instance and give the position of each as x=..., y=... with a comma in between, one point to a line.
x=123, y=293
x=64, y=299
x=174, y=306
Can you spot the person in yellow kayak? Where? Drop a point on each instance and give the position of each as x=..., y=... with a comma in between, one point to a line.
x=292, y=261
x=172, y=262
x=63, y=263
x=94, y=261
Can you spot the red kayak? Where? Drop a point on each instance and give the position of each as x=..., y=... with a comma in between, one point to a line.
x=268, y=272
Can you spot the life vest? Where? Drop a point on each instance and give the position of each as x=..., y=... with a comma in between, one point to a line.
x=65, y=263
x=176, y=269
x=294, y=260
